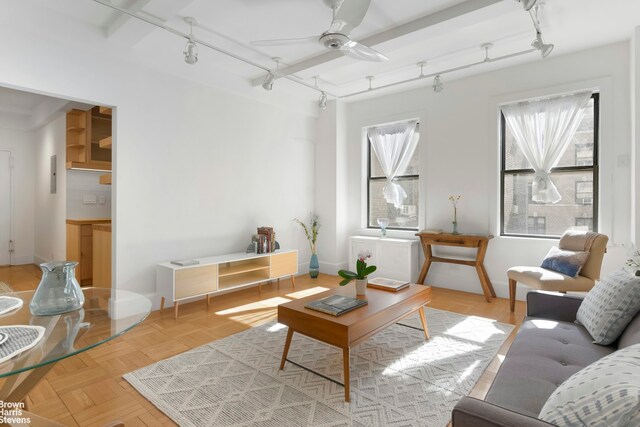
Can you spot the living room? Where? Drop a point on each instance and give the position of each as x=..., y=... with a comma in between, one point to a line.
x=203, y=155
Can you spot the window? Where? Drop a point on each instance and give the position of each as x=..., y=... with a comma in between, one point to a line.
x=584, y=192
x=406, y=216
x=584, y=224
x=536, y=225
x=575, y=176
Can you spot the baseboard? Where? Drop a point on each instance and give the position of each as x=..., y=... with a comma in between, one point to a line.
x=22, y=259
x=448, y=281
x=332, y=268
x=39, y=260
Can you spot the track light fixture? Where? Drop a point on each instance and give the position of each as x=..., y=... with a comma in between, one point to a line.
x=437, y=84
x=539, y=44
x=528, y=4
x=267, y=84
x=191, y=49
x=322, y=102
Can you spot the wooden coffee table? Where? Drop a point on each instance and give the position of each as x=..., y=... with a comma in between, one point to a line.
x=384, y=309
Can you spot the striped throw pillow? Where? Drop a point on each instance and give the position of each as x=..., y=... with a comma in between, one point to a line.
x=609, y=306
x=605, y=393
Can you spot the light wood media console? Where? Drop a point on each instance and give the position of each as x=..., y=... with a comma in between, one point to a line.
x=223, y=273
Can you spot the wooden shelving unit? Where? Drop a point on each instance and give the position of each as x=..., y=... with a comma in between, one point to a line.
x=105, y=179
x=223, y=273
x=89, y=139
x=105, y=142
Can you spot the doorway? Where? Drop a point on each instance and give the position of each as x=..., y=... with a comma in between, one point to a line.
x=5, y=208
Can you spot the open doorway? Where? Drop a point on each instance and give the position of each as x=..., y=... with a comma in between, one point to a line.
x=57, y=174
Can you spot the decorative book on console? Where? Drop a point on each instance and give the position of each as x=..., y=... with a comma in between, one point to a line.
x=385, y=284
x=336, y=305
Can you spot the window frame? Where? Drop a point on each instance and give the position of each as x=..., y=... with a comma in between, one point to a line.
x=369, y=178
x=594, y=169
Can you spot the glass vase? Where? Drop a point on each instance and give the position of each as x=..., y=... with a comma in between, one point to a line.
x=58, y=291
x=314, y=266
x=455, y=227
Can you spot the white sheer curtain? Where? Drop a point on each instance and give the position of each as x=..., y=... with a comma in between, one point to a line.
x=394, y=145
x=543, y=130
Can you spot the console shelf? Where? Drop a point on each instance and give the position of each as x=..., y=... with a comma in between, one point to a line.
x=224, y=273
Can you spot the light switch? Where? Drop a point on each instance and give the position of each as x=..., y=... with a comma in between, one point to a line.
x=88, y=199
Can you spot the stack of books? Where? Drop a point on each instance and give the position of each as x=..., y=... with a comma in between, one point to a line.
x=387, y=284
x=266, y=240
x=336, y=305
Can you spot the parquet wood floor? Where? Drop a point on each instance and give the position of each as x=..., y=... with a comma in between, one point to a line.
x=88, y=389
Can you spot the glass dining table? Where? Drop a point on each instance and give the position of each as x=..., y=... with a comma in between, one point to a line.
x=107, y=314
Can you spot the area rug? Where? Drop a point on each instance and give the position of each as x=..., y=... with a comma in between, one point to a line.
x=5, y=289
x=397, y=378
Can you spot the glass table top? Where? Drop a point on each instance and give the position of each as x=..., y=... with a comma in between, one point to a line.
x=106, y=315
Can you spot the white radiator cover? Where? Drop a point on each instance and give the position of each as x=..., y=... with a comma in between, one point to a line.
x=395, y=258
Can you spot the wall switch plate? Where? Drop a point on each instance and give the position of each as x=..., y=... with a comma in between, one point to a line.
x=88, y=199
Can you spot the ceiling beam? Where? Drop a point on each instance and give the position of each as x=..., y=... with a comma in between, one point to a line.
x=427, y=21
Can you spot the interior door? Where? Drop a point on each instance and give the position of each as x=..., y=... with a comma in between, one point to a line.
x=5, y=206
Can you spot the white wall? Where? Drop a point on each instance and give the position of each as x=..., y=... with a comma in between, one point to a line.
x=196, y=170
x=86, y=184
x=635, y=141
x=21, y=146
x=459, y=154
x=50, y=209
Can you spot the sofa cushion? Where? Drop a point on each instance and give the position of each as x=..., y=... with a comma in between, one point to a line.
x=565, y=262
x=605, y=393
x=631, y=335
x=548, y=280
x=544, y=354
x=609, y=306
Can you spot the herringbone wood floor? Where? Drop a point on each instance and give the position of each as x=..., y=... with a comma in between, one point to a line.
x=88, y=389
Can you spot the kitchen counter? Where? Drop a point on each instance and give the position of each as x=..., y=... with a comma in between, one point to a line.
x=89, y=221
x=102, y=227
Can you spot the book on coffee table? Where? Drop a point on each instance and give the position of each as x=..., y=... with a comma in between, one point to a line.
x=387, y=284
x=336, y=305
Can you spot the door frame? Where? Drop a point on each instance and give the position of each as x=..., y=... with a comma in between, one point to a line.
x=10, y=206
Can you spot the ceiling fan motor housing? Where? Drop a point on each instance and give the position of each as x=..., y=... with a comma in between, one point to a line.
x=334, y=41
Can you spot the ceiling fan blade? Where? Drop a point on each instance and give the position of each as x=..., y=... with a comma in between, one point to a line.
x=359, y=51
x=349, y=15
x=284, y=42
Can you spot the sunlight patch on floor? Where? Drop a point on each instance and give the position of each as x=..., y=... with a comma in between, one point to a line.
x=254, y=306
x=468, y=329
x=276, y=327
x=423, y=355
x=274, y=302
x=307, y=292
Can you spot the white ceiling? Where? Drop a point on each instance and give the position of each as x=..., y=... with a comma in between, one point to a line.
x=232, y=24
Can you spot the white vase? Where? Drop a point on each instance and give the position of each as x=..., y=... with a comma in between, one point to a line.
x=361, y=286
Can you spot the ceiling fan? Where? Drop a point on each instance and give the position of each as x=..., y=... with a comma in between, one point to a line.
x=347, y=15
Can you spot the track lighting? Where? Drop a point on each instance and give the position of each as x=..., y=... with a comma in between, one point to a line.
x=528, y=4
x=544, y=48
x=437, y=84
x=322, y=102
x=191, y=49
x=267, y=84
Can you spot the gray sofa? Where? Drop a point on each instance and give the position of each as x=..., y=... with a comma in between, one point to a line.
x=547, y=350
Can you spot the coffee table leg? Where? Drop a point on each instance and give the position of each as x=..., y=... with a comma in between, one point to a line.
x=423, y=319
x=347, y=382
x=287, y=343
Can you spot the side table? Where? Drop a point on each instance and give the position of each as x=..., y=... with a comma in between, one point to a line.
x=478, y=241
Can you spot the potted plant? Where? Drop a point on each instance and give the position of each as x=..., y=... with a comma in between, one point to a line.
x=311, y=232
x=360, y=276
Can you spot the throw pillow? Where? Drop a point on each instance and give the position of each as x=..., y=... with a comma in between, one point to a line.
x=605, y=393
x=609, y=306
x=565, y=262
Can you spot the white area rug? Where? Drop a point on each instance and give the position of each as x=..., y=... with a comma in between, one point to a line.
x=397, y=378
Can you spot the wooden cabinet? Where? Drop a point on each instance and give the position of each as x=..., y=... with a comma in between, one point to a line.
x=80, y=247
x=222, y=273
x=89, y=136
x=101, y=255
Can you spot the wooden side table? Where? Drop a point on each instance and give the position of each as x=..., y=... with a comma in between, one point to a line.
x=479, y=241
